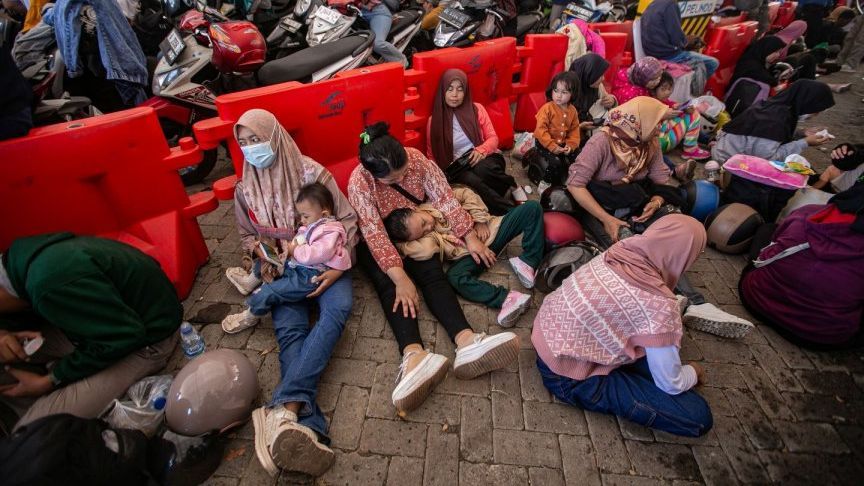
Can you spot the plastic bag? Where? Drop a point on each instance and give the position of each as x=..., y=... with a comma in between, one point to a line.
x=524, y=142
x=145, y=408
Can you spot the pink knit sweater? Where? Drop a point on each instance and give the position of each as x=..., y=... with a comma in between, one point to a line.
x=597, y=321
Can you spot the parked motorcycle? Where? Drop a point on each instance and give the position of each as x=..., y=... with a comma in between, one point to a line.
x=468, y=21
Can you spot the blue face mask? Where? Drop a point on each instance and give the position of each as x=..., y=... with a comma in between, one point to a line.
x=260, y=155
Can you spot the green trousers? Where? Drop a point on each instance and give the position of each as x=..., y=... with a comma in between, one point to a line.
x=525, y=219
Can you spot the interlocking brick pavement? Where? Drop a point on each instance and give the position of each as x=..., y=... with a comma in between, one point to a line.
x=782, y=414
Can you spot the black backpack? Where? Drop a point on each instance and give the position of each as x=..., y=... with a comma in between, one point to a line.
x=64, y=449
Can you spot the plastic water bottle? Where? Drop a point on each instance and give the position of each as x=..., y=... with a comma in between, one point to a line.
x=712, y=172
x=193, y=343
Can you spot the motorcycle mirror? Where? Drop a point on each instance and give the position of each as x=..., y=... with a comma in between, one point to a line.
x=200, y=5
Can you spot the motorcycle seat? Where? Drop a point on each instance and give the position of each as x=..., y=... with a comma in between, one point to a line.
x=403, y=18
x=525, y=23
x=301, y=65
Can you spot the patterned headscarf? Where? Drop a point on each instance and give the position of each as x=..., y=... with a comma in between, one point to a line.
x=270, y=192
x=631, y=132
x=644, y=70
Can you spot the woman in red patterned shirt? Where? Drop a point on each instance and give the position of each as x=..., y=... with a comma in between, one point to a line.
x=391, y=177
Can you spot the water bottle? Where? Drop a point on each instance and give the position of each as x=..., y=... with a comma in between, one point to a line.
x=712, y=172
x=193, y=343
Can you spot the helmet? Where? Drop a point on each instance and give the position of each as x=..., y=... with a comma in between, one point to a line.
x=732, y=226
x=558, y=198
x=238, y=47
x=561, y=229
x=214, y=391
x=561, y=262
x=173, y=8
x=703, y=198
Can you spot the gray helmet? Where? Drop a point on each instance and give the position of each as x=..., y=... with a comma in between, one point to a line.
x=561, y=262
x=214, y=391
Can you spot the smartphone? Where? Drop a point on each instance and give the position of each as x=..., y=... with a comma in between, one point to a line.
x=32, y=345
x=598, y=121
x=685, y=105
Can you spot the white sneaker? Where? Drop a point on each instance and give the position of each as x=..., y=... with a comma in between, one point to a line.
x=485, y=354
x=523, y=271
x=519, y=195
x=245, y=281
x=708, y=318
x=683, y=302
x=542, y=187
x=234, y=323
x=289, y=445
x=847, y=69
x=415, y=386
x=514, y=306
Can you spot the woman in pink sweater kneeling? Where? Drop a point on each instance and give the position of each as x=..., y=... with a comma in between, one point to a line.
x=608, y=339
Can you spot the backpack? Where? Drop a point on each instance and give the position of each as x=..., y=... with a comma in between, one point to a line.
x=743, y=94
x=64, y=449
x=561, y=262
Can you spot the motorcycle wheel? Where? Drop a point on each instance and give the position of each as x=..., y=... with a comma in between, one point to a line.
x=192, y=174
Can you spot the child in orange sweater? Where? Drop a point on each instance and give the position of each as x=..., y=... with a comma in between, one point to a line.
x=557, y=133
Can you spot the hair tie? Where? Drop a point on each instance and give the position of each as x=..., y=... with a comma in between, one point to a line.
x=365, y=138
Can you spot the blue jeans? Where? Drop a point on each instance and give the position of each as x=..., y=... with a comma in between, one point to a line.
x=630, y=392
x=293, y=286
x=304, y=351
x=380, y=19
x=683, y=57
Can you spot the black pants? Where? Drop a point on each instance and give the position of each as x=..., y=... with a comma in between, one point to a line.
x=431, y=281
x=814, y=16
x=490, y=181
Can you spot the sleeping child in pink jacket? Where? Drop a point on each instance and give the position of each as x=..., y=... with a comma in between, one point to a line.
x=319, y=245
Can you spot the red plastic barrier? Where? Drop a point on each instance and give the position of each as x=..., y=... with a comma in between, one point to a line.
x=625, y=28
x=727, y=44
x=785, y=15
x=111, y=176
x=615, y=47
x=724, y=21
x=542, y=57
x=324, y=118
x=489, y=66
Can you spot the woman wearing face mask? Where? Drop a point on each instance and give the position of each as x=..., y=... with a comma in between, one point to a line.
x=390, y=177
x=637, y=80
x=460, y=138
x=291, y=431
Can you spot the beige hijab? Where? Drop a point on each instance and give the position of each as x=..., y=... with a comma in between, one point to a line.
x=270, y=192
x=631, y=134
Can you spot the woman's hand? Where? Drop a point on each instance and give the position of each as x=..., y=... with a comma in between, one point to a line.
x=476, y=156
x=813, y=131
x=324, y=281
x=481, y=253
x=406, y=295
x=29, y=384
x=607, y=101
x=814, y=139
x=557, y=149
x=611, y=226
x=671, y=113
x=842, y=152
x=650, y=208
x=482, y=230
x=586, y=125
x=269, y=272
x=700, y=373
x=11, y=350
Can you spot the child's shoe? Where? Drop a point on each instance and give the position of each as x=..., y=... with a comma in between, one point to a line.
x=696, y=153
x=245, y=281
x=514, y=306
x=523, y=272
x=234, y=323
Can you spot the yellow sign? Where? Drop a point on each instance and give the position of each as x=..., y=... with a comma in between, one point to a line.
x=695, y=14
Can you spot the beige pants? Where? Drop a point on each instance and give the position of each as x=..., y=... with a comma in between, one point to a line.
x=90, y=396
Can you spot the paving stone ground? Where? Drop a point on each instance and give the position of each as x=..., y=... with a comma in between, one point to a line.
x=781, y=414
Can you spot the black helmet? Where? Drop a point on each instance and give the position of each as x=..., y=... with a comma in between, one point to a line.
x=561, y=262
x=558, y=198
x=175, y=8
